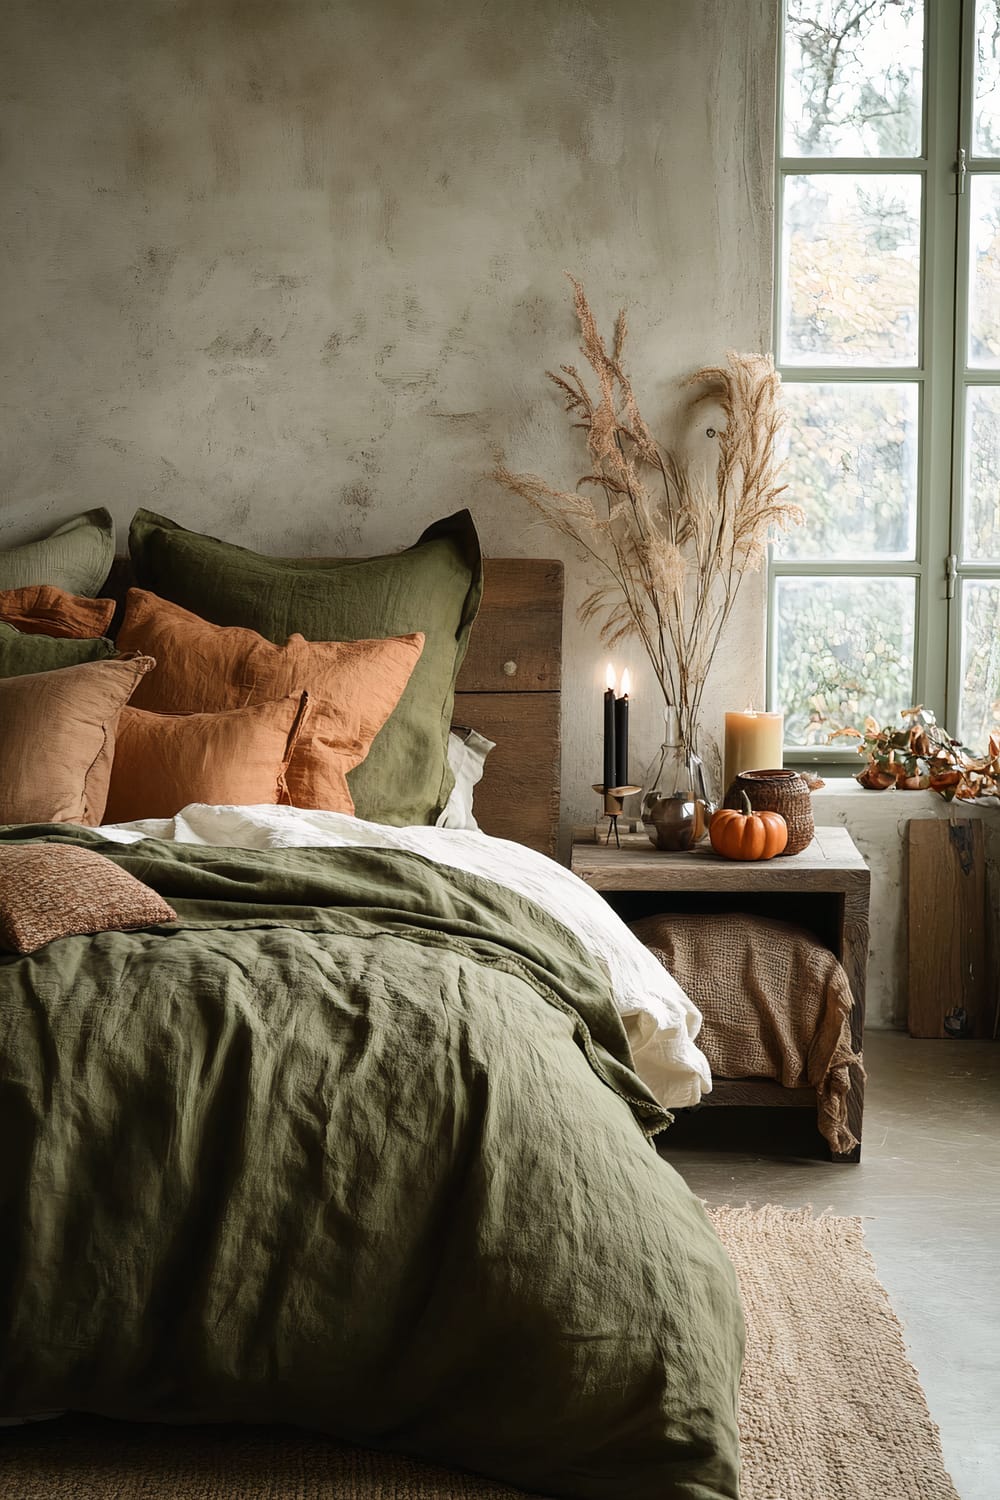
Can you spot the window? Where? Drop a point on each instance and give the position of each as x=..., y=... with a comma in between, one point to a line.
x=887, y=332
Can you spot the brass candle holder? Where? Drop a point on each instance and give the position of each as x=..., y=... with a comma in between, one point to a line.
x=614, y=804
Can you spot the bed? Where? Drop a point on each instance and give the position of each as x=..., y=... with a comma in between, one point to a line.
x=355, y=1140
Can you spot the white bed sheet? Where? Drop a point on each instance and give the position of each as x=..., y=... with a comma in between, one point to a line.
x=660, y=1020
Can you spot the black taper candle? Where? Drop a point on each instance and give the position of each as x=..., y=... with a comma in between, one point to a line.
x=610, y=769
x=621, y=736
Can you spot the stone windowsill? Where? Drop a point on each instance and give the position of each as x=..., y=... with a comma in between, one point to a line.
x=844, y=795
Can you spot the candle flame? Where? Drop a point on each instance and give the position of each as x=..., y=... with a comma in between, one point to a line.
x=626, y=683
x=609, y=677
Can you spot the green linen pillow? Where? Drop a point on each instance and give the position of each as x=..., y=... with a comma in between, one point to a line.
x=434, y=586
x=76, y=557
x=24, y=654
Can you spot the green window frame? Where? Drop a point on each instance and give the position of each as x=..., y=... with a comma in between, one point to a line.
x=938, y=569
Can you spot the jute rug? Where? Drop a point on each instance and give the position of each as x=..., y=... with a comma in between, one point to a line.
x=831, y=1408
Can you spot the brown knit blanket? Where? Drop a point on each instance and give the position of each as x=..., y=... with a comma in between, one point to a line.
x=776, y=1004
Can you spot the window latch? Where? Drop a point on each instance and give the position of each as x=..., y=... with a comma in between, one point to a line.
x=961, y=170
x=950, y=575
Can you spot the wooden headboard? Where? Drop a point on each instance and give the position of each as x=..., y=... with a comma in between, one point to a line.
x=508, y=689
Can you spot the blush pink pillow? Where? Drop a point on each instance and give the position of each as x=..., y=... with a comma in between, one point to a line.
x=58, y=739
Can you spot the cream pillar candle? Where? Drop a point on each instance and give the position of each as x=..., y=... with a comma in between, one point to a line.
x=753, y=743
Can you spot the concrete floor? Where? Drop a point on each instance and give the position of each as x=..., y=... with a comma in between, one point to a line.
x=928, y=1187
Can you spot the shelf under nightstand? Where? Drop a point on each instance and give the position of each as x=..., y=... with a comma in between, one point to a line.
x=824, y=889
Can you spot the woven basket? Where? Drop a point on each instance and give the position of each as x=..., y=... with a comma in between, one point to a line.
x=783, y=792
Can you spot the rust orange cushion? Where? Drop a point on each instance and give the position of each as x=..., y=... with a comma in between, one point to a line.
x=50, y=891
x=203, y=668
x=41, y=609
x=164, y=761
x=57, y=739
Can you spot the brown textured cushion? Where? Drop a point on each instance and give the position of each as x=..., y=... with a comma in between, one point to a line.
x=41, y=609
x=49, y=891
x=57, y=739
x=237, y=758
x=203, y=668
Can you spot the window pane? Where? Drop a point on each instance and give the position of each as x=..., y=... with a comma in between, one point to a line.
x=984, y=273
x=851, y=274
x=982, y=474
x=852, y=466
x=853, y=77
x=979, y=715
x=845, y=649
x=986, y=108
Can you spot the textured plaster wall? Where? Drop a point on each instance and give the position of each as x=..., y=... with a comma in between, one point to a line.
x=290, y=270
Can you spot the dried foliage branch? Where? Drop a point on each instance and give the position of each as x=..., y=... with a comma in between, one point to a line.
x=921, y=754
x=671, y=545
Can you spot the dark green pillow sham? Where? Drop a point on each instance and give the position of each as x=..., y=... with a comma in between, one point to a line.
x=434, y=586
x=21, y=654
x=76, y=557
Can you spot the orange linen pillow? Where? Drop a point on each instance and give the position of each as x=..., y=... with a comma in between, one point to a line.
x=58, y=739
x=203, y=668
x=41, y=609
x=164, y=761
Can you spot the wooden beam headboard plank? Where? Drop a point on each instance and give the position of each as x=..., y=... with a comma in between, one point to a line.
x=519, y=624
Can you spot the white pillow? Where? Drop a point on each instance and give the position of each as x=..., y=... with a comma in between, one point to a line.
x=467, y=752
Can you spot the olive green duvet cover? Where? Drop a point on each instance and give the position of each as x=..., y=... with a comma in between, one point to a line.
x=354, y=1144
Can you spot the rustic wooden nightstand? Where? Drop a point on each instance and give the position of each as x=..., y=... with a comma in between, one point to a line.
x=824, y=889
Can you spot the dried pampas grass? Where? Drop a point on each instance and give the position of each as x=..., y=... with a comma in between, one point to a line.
x=671, y=544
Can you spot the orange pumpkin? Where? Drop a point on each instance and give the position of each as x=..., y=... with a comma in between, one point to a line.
x=745, y=834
